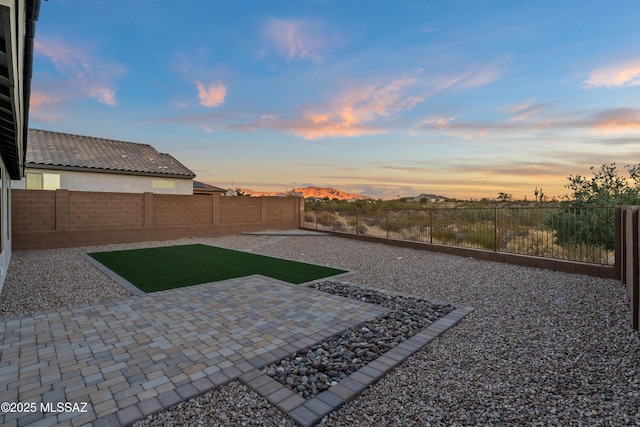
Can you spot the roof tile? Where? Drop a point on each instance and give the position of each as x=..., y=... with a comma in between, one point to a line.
x=67, y=151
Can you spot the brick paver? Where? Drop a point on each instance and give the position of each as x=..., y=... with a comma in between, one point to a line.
x=126, y=359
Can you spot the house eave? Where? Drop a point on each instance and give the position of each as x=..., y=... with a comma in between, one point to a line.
x=110, y=171
x=17, y=30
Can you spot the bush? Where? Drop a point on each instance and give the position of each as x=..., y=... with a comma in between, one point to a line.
x=482, y=235
x=584, y=226
x=361, y=228
x=325, y=218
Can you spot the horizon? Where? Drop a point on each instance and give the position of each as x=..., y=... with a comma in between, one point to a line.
x=462, y=99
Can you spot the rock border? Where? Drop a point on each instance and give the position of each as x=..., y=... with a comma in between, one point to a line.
x=310, y=412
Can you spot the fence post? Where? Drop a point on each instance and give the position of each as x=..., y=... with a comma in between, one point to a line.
x=618, y=243
x=62, y=210
x=148, y=209
x=495, y=229
x=431, y=225
x=387, y=210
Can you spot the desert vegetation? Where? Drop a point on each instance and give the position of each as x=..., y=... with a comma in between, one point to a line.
x=526, y=231
x=580, y=227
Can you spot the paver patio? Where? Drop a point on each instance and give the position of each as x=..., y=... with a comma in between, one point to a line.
x=128, y=359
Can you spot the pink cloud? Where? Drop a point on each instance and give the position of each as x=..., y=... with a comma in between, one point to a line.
x=529, y=119
x=88, y=76
x=42, y=105
x=617, y=121
x=211, y=96
x=352, y=112
x=526, y=111
x=357, y=110
x=477, y=75
x=617, y=75
x=296, y=39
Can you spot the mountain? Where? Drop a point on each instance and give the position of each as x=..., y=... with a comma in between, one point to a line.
x=318, y=192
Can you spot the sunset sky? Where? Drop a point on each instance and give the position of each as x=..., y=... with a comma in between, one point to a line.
x=385, y=98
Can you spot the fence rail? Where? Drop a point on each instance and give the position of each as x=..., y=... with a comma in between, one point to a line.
x=585, y=234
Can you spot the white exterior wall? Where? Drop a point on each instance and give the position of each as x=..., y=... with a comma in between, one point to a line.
x=117, y=183
x=5, y=211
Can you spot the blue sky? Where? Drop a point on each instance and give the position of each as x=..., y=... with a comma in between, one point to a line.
x=382, y=98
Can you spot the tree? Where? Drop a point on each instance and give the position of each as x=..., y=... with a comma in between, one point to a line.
x=606, y=187
x=582, y=220
x=505, y=197
x=239, y=192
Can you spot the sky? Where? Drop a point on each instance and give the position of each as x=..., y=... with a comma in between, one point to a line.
x=387, y=99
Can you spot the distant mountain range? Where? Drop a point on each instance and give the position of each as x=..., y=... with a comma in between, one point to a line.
x=318, y=192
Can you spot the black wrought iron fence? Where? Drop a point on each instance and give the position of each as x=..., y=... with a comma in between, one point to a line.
x=583, y=234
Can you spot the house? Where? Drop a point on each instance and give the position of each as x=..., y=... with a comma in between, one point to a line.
x=17, y=29
x=202, y=188
x=427, y=198
x=56, y=160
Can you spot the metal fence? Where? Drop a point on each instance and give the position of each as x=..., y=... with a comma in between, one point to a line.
x=584, y=234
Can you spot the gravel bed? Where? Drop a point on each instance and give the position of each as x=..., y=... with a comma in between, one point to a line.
x=541, y=347
x=233, y=404
x=325, y=364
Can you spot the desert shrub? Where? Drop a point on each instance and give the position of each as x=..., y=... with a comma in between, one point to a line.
x=341, y=225
x=482, y=235
x=309, y=217
x=414, y=233
x=475, y=214
x=583, y=226
x=446, y=234
x=395, y=223
x=325, y=218
x=361, y=228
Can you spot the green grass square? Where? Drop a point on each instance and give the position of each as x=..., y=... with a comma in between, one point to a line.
x=157, y=269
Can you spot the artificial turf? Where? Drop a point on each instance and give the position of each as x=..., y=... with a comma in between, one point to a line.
x=157, y=269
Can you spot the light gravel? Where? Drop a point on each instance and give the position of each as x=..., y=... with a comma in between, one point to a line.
x=541, y=348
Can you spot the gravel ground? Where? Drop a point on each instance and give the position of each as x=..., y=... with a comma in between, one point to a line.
x=541, y=348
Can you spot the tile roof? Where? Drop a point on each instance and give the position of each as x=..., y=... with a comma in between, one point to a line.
x=46, y=149
x=201, y=186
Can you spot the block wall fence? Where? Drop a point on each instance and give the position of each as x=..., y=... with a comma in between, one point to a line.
x=44, y=219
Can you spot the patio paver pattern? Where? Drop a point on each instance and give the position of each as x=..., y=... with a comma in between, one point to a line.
x=129, y=359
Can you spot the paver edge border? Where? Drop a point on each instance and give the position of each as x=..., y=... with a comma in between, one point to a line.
x=309, y=412
x=128, y=286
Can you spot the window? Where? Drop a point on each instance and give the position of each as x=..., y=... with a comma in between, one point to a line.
x=34, y=181
x=163, y=183
x=43, y=181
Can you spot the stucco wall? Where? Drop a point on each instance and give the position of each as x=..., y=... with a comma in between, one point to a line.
x=110, y=182
x=5, y=223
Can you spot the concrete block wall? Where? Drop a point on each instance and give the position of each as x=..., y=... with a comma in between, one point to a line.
x=170, y=210
x=92, y=210
x=238, y=210
x=62, y=218
x=33, y=211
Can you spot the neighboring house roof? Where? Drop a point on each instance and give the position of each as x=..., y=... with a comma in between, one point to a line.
x=56, y=150
x=201, y=187
x=16, y=45
x=428, y=197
